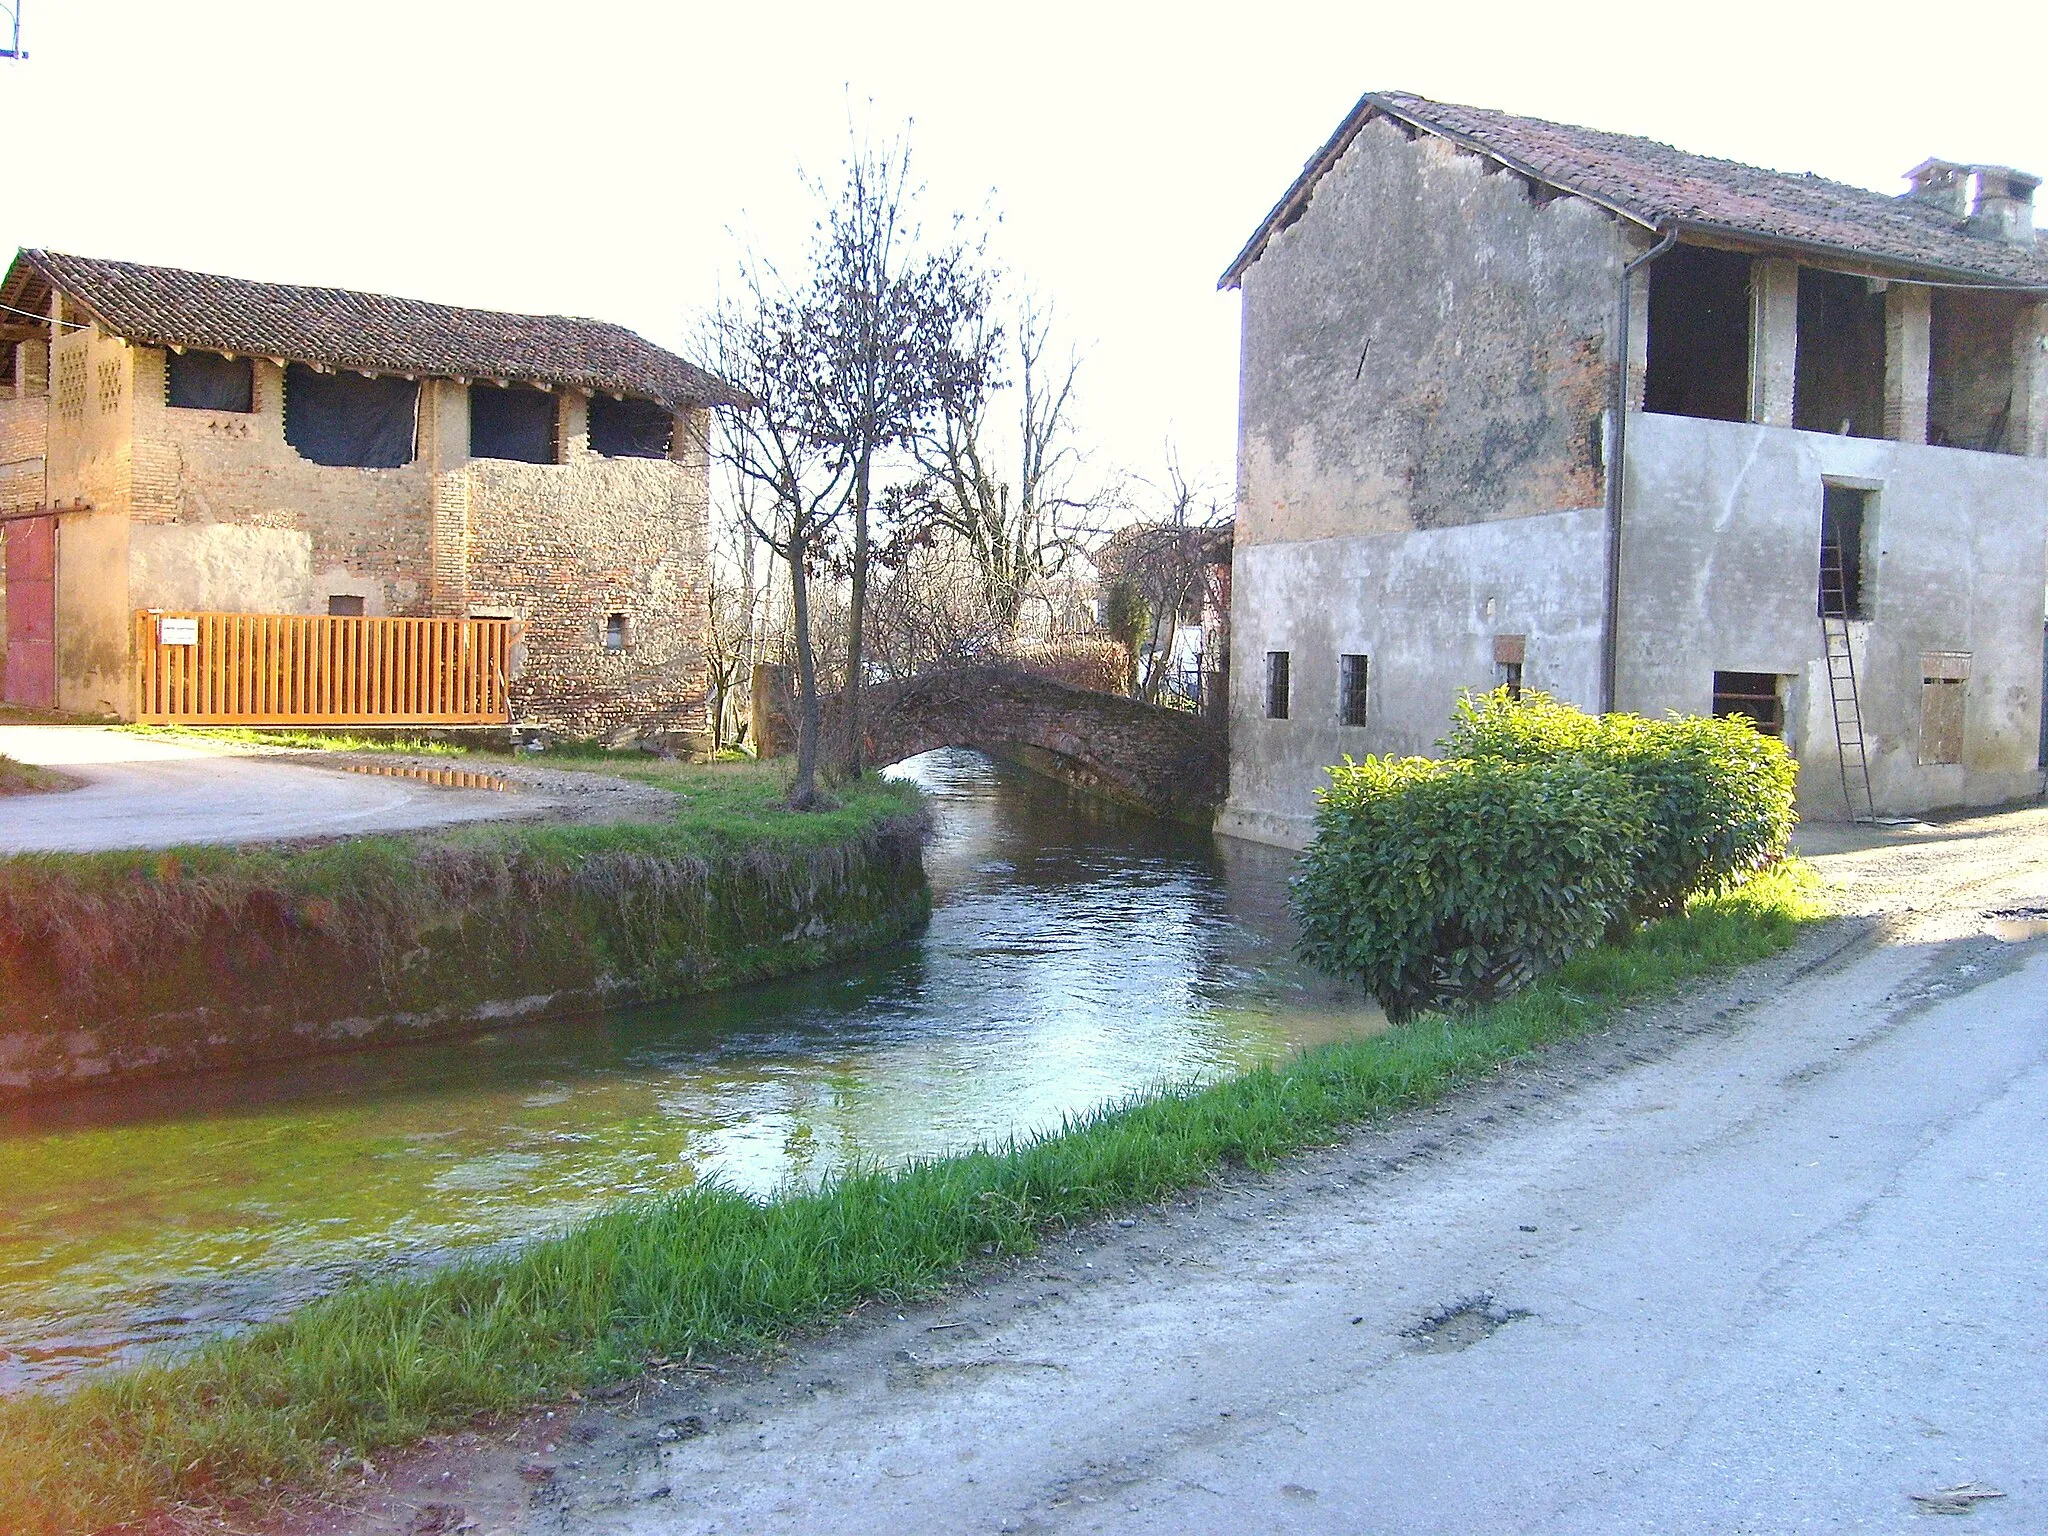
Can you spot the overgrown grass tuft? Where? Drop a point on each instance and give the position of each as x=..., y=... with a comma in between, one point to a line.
x=28, y=779
x=709, y=1270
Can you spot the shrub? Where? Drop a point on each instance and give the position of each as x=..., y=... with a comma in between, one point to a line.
x=1718, y=793
x=1079, y=661
x=1456, y=882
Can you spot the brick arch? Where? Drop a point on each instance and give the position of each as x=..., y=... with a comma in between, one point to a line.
x=1168, y=761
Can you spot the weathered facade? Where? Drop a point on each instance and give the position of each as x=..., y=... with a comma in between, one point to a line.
x=1432, y=392
x=208, y=444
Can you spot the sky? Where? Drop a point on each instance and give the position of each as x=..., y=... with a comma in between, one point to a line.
x=610, y=158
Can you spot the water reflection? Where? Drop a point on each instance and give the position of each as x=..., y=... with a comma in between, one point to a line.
x=1076, y=954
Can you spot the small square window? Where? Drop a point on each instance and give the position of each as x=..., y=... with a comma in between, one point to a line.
x=342, y=606
x=1351, y=690
x=1276, y=685
x=617, y=632
x=1754, y=696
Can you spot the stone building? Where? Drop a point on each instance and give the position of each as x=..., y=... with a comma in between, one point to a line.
x=179, y=441
x=1829, y=408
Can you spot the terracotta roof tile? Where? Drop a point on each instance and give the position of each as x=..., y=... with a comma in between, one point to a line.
x=165, y=306
x=1656, y=184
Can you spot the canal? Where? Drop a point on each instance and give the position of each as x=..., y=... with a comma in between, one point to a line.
x=1077, y=953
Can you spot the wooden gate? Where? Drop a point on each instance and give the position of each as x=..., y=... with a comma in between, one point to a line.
x=31, y=678
x=287, y=669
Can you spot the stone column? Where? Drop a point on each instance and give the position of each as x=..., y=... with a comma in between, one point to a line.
x=1908, y=310
x=1773, y=339
x=2029, y=433
x=444, y=424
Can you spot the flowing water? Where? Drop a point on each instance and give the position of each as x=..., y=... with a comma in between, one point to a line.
x=1077, y=953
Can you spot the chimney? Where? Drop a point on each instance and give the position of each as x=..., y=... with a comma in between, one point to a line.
x=2004, y=209
x=1941, y=184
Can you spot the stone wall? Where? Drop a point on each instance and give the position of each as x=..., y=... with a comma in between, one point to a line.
x=1167, y=761
x=565, y=547
x=1427, y=346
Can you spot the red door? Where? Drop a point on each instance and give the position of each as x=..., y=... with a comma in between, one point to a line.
x=31, y=672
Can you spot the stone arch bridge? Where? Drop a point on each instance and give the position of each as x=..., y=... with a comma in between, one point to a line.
x=1167, y=761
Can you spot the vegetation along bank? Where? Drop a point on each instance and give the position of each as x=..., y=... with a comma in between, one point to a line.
x=137, y=963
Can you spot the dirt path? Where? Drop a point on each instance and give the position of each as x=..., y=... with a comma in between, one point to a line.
x=1766, y=1259
x=155, y=792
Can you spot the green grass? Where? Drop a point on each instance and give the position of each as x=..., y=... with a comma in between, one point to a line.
x=383, y=1363
x=310, y=741
x=27, y=779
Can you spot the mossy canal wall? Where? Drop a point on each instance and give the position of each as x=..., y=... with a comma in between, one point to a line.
x=117, y=967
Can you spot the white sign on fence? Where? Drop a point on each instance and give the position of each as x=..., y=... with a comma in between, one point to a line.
x=177, y=631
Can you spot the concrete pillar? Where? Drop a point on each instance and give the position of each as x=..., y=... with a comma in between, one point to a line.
x=2030, y=382
x=1638, y=339
x=1908, y=354
x=1773, y=339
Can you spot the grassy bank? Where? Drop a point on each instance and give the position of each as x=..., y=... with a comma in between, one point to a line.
x=28, y=779
x=383, y=1363
x=129, y=962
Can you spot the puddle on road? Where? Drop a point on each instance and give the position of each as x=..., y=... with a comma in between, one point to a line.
x=443, y=778
x=2016, y=925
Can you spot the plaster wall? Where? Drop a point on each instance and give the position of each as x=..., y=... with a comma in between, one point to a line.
x=369, y=531
x=88, y=458
x=224, y=568
x=1425, y=606
x=24, y=431
x=1426, y=346
x=1721, y=566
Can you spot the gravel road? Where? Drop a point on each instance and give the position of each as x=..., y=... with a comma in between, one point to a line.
x=1767, y=1259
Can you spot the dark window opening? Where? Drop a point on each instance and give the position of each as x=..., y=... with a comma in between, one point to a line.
x=1844, y=541
x=1970, y=374
x=1351, y=702
x=1754, y=696
x=342, y=606
x=1511, y=678
x=616, y=632
x=516, y=423
x=629, y=429
x=1276, y=685
x=1838, y=380
x=1699, y=334
x=348, y=421
x=206, y=381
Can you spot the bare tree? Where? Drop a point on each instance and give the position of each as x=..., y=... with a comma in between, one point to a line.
x=1020, y=527
x=900, y=325
x=764, y=341
x=738, y=593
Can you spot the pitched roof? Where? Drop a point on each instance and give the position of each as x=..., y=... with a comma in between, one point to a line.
x=1658, y=186
x=164, y=306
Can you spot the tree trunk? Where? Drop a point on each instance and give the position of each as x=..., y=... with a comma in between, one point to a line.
x=851, y=751
x=804, y=792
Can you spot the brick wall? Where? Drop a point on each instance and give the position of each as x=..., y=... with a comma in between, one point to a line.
x=564, y=546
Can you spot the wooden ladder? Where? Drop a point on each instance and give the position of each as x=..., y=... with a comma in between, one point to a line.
x=1850, y=755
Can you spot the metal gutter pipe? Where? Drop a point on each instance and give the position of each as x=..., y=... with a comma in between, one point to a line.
x=1617, y=471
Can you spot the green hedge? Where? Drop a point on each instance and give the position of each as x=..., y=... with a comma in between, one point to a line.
x=1718, y=792
x=1443, y=883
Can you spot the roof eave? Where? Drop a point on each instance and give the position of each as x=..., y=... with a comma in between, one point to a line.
x=1284, y=211
x=1903, y=269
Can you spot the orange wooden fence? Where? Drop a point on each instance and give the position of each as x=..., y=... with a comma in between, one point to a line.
x=287, y=669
